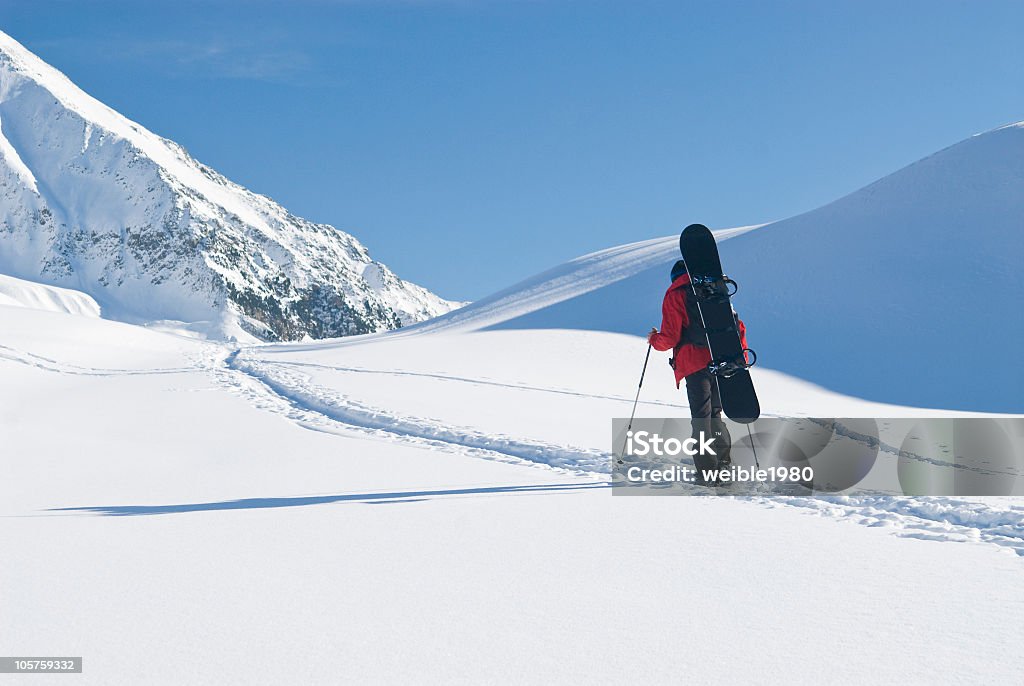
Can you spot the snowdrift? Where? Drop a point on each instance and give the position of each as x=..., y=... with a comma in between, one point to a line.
x=37, y=296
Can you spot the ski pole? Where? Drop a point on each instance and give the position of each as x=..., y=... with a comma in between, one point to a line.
x=753, y=448
x=635, y=401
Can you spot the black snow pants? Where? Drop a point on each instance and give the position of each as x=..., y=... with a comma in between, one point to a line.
x=706, y=417
x=702, y=392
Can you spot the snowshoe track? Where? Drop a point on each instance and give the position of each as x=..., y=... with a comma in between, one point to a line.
x=282, y=389
x=325, y=409
x=925, y=518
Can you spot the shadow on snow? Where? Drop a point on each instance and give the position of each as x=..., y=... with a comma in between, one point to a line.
x=299, y=501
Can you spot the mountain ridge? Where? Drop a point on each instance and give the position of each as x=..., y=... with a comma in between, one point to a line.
x=93, y=201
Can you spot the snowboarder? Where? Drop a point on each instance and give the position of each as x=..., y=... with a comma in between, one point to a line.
x=690, y=360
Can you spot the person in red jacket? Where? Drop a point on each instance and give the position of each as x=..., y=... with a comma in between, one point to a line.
x=691, y=357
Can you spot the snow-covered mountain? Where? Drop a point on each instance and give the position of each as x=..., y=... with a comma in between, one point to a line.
x=92, y=201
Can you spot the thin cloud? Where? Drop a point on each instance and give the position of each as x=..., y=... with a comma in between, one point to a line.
x=208, y=58
x=243, y=61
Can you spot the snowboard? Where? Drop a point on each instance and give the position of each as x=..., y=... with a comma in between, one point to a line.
x=711, y=288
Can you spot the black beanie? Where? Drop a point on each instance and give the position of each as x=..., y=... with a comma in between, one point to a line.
x=678, y=269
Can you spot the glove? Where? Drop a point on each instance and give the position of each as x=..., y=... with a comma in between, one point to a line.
x=651, y=335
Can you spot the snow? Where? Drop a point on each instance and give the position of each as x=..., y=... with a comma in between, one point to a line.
x=14, y=162
x=20, y=293
x=904, y=291
x=431, y=505
x=533, y=303
x=162, y=151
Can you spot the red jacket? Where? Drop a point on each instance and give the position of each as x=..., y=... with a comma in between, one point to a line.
x=674, y=320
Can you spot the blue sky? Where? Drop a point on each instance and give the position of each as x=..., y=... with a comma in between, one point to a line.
x=471, y=144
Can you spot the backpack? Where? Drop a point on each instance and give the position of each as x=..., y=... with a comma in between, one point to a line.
x=694, y=334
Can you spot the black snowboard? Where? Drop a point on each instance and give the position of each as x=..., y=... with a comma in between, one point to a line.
x=711, y=288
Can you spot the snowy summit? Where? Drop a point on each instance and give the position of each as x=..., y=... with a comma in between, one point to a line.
x=93, y=201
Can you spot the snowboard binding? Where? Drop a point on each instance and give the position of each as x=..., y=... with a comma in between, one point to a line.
x=710, y=289
x=729, y=367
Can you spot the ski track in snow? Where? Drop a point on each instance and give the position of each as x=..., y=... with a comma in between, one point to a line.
x=282, y=390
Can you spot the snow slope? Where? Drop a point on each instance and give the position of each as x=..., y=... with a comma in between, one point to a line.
x=92, y=201
x=907, y=291
x=20, y=293
x=185, y=512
